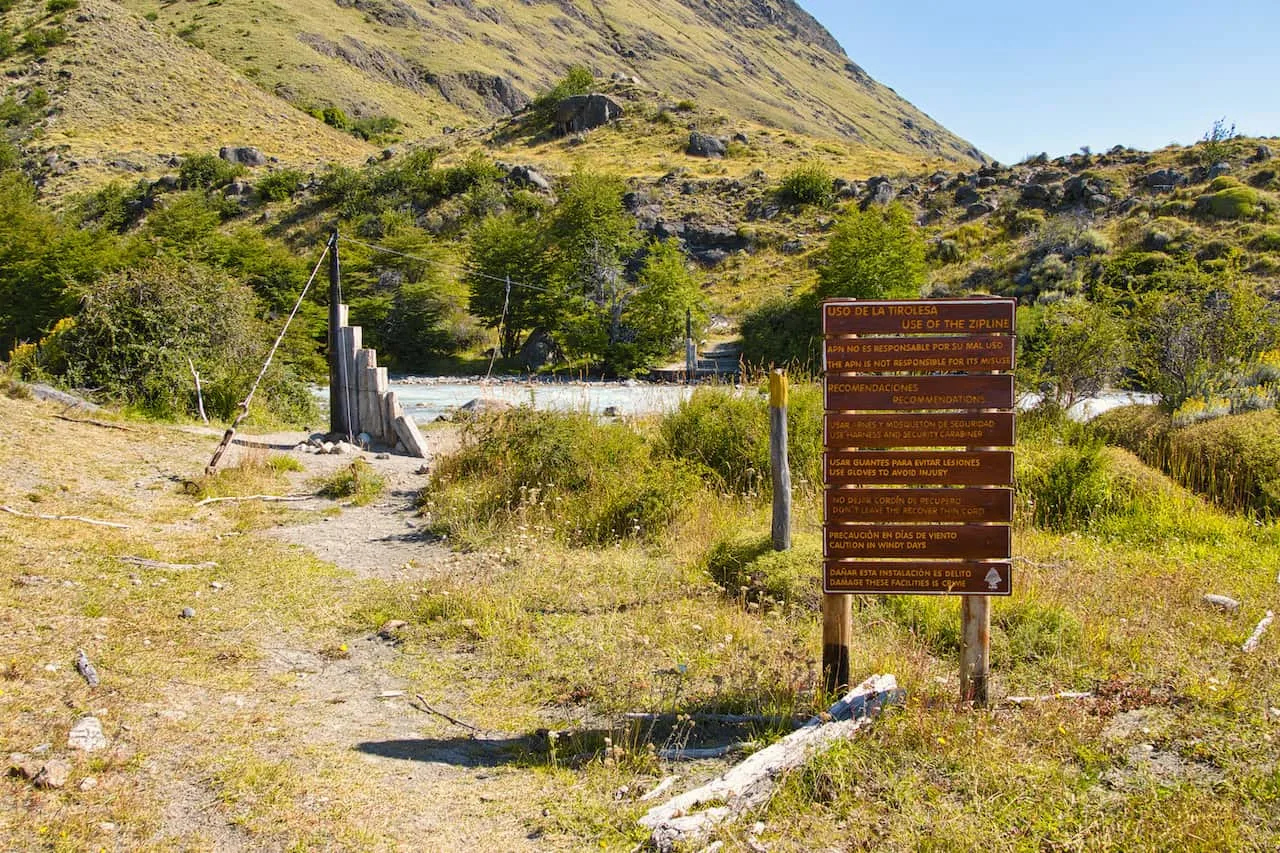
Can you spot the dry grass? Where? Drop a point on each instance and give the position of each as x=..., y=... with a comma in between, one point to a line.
x=230, y=741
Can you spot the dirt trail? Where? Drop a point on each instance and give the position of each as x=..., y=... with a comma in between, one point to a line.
x=358, y=763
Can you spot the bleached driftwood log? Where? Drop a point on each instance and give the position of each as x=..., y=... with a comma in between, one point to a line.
x=1251, y=644
x=79, y=518
x=749, y=784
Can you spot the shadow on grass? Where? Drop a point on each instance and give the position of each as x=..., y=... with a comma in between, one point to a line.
x=460, y=751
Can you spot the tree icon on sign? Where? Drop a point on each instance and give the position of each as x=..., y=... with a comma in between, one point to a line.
x=993, y=579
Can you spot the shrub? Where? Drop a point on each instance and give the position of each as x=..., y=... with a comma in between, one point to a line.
x=136, y=331
x=577, y=81
x=559, y=473
x=748, y=569
x=728, y=433
x=1231, y=203
x=872, y=254
x=358, y=481
x=809, y=183
x=784, y=332
x=280, y=184
x=206, y=171
x=1234, y=460
x=1266, y=241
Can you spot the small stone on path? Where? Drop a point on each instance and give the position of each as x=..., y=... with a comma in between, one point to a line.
x=188, y=613
x=87, y=735
x=54, y=774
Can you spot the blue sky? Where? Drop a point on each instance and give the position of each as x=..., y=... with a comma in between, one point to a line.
x=1020, y=78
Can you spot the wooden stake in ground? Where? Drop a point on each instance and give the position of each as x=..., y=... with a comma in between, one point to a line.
x=837, y=635
x=779, y=465
x=975, y=649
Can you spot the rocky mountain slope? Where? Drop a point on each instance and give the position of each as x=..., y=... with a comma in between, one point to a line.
x=133, y=81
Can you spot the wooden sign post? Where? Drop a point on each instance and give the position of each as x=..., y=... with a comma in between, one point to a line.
x=919, y=406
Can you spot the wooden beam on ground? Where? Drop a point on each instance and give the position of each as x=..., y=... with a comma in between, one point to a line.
x=691, y=816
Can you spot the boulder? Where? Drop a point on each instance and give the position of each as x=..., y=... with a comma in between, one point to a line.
x=1217, y=170
x=586, y=112
x=743, y=139
x=243, y=155
x=986, y=182
x=937, y=179
x=704, y=145
x=54, y=774
x=1263, y=154
x=529, y=177
x=539, y=349
x=967, y=195
x=1165, y=180
x=977, y=209
x=1038, y=195
x=880, y=193
x=1098, y=201
x=483, y=406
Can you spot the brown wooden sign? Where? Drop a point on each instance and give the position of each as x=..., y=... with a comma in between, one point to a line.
x=926, y=541
x=993, y=429
x=916, y=578
x=918, y=468
x=920, y=354
x=919, y=505
x=917, y=316
x=903, y=393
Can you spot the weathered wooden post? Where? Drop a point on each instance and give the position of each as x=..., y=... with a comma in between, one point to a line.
x=975, y=649
x=779, y=465
x=339, y=417
x=690, y=350
x=837, y=636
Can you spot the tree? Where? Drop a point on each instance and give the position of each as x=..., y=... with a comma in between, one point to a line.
x=652, y=314
x=872, y=254
x=137, y=329
x=1189, y=340
x=511, y=247
x=43, y=263
x=592, y=237
x=1074, y=351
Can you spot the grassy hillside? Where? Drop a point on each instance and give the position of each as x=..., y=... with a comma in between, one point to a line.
x=436, y=64
x=133, y=83
x=127, y=97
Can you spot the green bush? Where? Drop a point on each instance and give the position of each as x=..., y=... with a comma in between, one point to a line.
x=206, y=171
x=358, y=481
x=139, y=331
x=728, y=433
x=1233, y=203
x=784, y=332
x=1233, y=460
x=577, y=81
x=809, y=183
x=748, y=568
x=280, y=184
x=1065, y=486
x=1266, y=241
x=875, y=253
x=558, y=473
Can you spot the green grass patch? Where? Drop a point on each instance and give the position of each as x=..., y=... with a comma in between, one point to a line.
x=358, y=481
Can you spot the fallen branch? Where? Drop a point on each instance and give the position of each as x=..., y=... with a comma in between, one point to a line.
x=426, y=707
x=92, y=422
x=268, y=498
x=1066, y=696
x=199, y=391
x=722, y=719
x=660, y=788
x=1251, y=644
x=143, y=562
x=750, y=783
x=698, y=754
x=79, y=518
